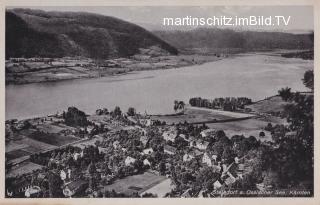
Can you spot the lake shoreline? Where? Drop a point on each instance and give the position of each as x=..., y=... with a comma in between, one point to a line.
x=55, y=74
x=153, y=91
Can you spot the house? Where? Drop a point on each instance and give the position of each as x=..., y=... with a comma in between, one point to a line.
x=147, y=151
x=75, y=187
x=32, y=191
x=183, y=136
x=209, y=159
x=217, y=185
x=129, y=161
x=196, y=153
x=145, y=122
x=208, y=133
x=291, y=134
x=200, y=144
x=187, y=157
x=63, y=175
x=144, y=140
x=116, y=144
x=169, y=149
x=241, y=167
x=146, y=162
x=170, y=135
x=90, y=128
x=230, y=180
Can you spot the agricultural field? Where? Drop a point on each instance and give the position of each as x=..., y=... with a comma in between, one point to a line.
x=16, y=154
x=136, y=183
x=53, y=139
x=197, y=115
x=50, y=128
x=19, y=149
x=23, y=168
x=249, y=127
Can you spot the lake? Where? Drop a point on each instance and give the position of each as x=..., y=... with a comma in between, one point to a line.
x=248, y=75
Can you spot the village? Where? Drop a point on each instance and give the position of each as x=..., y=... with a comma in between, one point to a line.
x=127, y=154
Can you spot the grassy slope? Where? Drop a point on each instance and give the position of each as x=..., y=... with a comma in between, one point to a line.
x=271, y=104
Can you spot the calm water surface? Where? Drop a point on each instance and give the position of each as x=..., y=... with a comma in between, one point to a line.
x=250, y=75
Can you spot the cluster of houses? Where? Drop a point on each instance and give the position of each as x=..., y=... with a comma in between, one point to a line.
x=230, y=173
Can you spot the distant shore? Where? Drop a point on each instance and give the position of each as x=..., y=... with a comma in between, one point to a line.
x=25, y=71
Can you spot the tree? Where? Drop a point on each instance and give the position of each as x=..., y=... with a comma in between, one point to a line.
x=75, y=117
x=308, y=79
x=55, y=185
x=228, y=155
x=285, y=93
x=117, y=111
x=162, y=168
x=92, y=184
x=131, y=111
x=294, y=155
x=262, y=134
x=269, y=127
x=178, y=105
x=91, y=169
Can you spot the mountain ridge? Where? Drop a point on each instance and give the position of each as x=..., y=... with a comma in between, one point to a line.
x=226, y=38
x=37, y=33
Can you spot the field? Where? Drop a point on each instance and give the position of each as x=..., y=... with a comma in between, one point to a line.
x=16, y=154
x=272, y=104
x=136, y=183
x=53, y=139
x=25, y=147
x=160, y=189
x=50, y=128
x=249, y=127
x=198, y=115
x=25, y=167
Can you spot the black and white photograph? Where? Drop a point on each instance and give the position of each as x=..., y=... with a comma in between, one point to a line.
x=159, y=101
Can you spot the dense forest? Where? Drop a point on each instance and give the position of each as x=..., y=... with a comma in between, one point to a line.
x=36, y=33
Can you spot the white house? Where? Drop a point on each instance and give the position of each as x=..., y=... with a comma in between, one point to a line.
x=75, y=187
x=187, y=157
x=76, y=156
x=169, y=135
x=202, y=145
x=217, y=185
x=31, y=191
x=146, y=162
x=230, y=180
x=63, y=175
x=209, y=159
x=129, y=161
x=148, y=151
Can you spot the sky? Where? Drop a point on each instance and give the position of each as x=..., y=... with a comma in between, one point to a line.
x=151, y=18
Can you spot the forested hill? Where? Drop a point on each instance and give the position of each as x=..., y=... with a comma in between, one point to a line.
x=226, y=38
x=36, y=33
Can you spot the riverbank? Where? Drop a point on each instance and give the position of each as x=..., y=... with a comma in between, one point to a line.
x=25, y=71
